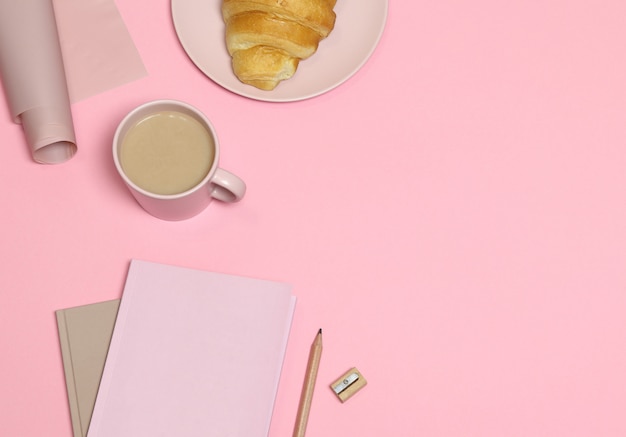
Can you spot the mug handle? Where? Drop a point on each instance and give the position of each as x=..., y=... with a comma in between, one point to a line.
x=227, y=187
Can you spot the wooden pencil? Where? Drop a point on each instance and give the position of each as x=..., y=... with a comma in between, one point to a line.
x=309, y=386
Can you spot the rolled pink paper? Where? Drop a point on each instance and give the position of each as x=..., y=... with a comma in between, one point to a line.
x=31, y=68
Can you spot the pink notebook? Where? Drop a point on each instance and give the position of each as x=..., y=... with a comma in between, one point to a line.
x=193, y=353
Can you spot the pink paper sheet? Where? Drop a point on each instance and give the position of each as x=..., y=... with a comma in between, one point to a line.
x=98, y=51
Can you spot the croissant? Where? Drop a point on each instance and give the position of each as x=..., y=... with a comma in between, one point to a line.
x=266, y=39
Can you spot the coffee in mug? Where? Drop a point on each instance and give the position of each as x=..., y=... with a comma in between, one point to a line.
x=167, y=153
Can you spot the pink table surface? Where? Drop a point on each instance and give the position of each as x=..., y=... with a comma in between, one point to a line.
x=453, y=217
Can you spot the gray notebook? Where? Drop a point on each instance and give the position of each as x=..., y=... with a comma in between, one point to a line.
x=85, y=333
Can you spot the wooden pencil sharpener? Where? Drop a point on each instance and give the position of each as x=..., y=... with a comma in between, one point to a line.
x=348, y=384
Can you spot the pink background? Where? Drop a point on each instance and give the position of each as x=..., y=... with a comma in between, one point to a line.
x=453, y=217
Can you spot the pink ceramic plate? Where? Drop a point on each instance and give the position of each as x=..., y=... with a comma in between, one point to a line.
x=359, y=26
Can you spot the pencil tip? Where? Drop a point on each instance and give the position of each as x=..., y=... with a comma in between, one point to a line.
x=320, y=331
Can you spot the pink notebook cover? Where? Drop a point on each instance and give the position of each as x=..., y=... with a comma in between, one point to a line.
x=193, y=353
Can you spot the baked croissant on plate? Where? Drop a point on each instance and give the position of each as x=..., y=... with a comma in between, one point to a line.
x=267, y=38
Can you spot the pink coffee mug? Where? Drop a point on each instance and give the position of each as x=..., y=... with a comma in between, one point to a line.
x=216, y=183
